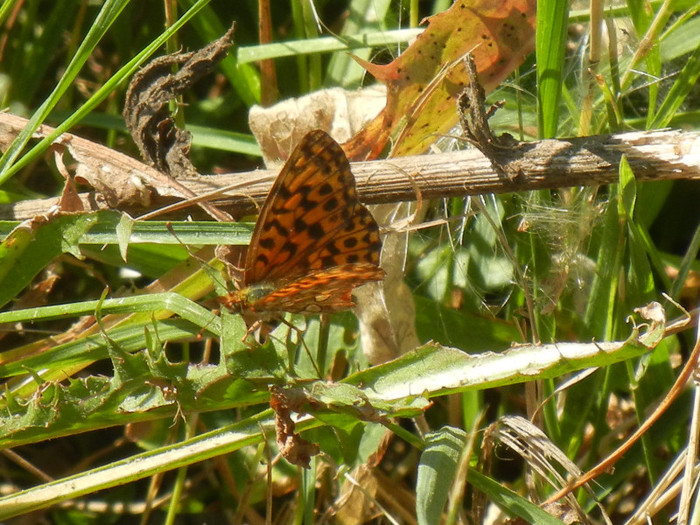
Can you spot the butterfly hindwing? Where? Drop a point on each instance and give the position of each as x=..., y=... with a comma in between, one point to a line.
x=327, y=290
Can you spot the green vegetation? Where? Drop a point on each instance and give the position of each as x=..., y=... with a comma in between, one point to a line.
x=139, y=388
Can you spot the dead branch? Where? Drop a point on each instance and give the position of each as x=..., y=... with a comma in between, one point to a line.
x=546, y=164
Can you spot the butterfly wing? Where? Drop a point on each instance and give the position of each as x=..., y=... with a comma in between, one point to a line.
x=326, y=290
x=312, y=218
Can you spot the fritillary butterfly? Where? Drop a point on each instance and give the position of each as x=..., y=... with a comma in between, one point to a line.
x=313, y=242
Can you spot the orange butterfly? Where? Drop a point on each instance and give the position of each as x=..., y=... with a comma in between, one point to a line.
x=313, y=242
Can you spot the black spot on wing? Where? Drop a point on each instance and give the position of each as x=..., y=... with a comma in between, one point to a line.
x=290, y=247
x=316, y=231
x=372, y=256
x=267, y=242
x=331, y=204
x=307, y=205
x=283, y=192
x=300, y=225
x=277, y=225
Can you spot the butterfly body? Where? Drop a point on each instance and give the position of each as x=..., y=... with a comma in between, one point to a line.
x=314, y=242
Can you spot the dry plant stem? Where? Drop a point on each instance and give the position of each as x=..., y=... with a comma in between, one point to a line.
x=664, y=491
x=596, y=26
x=692, y=451
x=596, y=9
x=613, y=53
x=474, y=120
x=457, y=491
x=268, y=492
x=533, y=390
x=650, y=39
x=608, y=462
x=547, y=164
x=26, y=465
x=383, y=493
x=268, y=81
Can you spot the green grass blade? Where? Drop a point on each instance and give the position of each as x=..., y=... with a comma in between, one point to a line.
x=110, y=10
x=552, y=21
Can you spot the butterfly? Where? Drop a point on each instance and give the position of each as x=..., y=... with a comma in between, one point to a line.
x=313, y=242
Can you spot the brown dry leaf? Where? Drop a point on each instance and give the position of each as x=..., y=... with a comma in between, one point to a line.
x=70, y=199
x=121, y=180
x=340, y=112
x=542, y=456
x=424, y=82
x=386, y=310
x=292, y=446
x=146, y=112
x=355, y=505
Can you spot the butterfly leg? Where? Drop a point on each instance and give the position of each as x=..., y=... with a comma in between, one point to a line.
x=250, y=344
x=252, y=329
x=258, y=327
x=291, y=354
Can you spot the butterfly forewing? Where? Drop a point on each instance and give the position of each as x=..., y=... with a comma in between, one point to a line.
x=310, y=216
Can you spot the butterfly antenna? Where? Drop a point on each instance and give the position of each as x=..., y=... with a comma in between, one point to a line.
x=213, y=274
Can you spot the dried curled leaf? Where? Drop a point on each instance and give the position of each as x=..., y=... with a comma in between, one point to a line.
x=146, y=112
x=292, y=446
